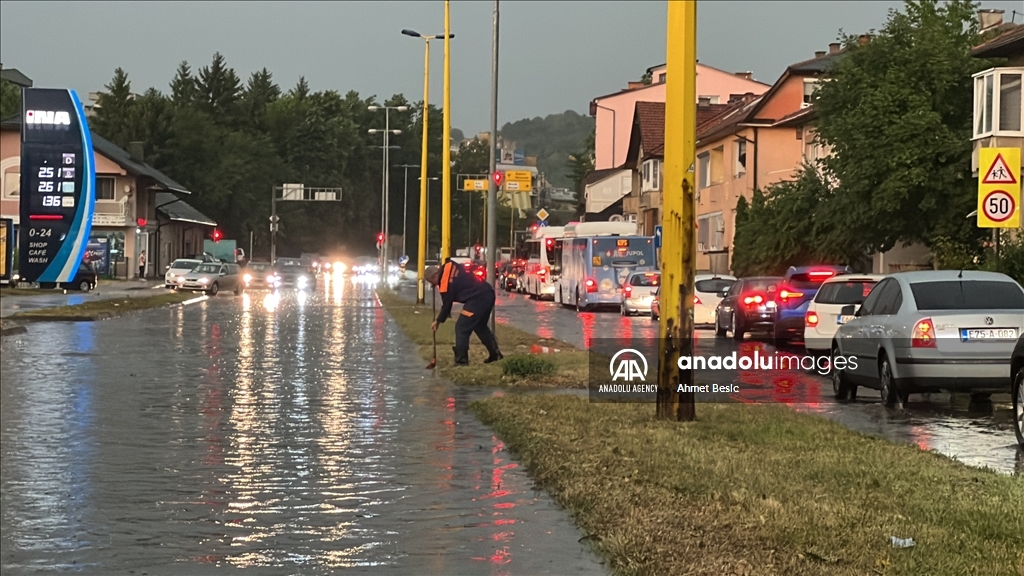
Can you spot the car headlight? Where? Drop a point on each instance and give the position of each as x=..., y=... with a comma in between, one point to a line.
x=327, y=265
x=271, y=279
x=180, y=280
x=171, y=276
x=247, y=278
x=204, y=280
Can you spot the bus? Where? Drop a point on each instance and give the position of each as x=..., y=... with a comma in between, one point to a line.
x=597, y=258
x=542, y=263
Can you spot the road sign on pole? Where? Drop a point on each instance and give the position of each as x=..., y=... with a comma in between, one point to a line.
x=999, y=188
x=542, y=214
x=657, y=236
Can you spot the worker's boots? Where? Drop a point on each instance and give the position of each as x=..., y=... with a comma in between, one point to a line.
x=461, y=356
x=493, y=353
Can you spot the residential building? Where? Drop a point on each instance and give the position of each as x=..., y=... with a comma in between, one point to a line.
x=604, y=191
x=997, y=91
x=645, y=157
x=613, y=113
x=14, y=76
x=134, y=207
x=758, y=141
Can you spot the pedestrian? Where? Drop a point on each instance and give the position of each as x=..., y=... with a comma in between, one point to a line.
x=456, y=284
x=142, y=266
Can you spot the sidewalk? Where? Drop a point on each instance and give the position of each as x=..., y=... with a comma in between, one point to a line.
x=107, y=289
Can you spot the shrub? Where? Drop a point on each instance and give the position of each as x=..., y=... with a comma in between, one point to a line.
x=523, y=365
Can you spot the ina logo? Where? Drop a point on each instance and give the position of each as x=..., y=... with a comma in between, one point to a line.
x=627, y=369
x=57, y=118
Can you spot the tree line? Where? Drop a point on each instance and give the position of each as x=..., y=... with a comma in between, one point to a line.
x=896, y=115
x=230, y=142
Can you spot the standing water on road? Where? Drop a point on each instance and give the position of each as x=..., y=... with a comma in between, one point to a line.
x=291, y=433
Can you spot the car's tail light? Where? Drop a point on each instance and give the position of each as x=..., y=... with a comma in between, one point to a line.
x=787, y=294
x=752, y=300
x=628, y=290
x=591, y=285
x=696, y=300
x=811, y=319
x=923, y=335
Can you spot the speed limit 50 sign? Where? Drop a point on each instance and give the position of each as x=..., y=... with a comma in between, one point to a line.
x=999, y=188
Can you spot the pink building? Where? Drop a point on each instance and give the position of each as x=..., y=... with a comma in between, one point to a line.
x=614, y=112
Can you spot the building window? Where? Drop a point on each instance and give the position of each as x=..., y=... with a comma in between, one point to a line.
x=702, y=233
x=740, y=164
x=810, y=87
x=997, y=102
x=661, y=78
x=655, y=183
x=12, y=183
x=704, y=171
x=104, y=188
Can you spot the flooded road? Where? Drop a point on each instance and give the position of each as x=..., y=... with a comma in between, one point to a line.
x=978, y=434
x=286, y=435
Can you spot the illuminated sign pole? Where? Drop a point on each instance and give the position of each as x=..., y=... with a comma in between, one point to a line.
x=58, y=183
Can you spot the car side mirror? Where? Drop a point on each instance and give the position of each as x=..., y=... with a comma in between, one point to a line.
x=168, y=267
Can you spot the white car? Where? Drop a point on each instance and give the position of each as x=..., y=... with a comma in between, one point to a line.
x=708, y=289
x=925, y=331
x=178, y=268
x=824, y=313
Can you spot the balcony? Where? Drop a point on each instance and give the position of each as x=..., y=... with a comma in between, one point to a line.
x=997, y=110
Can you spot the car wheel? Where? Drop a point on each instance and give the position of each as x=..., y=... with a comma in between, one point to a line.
x=579, y=308
x=239, y=289
x=1018, y=407
x=891, y=395
x=214, y=289
x=719, y=331
x=84, y=286
x=841, y=385
x=737, y=328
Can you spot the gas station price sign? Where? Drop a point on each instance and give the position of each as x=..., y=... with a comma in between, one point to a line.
x=58, y=181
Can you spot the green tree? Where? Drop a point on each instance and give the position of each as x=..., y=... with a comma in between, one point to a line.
x=579, y=164
x=183, y=86
x=10, y=99
x=895, y=114
x=114, y=110
x=219, y=89
x=552, y=140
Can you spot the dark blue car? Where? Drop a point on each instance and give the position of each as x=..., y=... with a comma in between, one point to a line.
x=798, y=289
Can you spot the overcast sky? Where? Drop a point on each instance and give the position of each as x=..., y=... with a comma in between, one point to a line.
x=555, y=56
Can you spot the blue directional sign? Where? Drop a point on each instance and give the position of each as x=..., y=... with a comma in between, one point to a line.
x=542, y=224
x=657, y=236
x=58, y=183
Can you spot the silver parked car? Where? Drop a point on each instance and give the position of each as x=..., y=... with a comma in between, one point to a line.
x=211, y=278
x=638, y=292
x=935, y=330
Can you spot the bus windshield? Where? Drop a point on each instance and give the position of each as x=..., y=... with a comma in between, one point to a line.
x=624, y=252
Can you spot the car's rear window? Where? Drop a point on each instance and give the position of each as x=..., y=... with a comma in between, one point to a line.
x=808, y=281
x=764, y=285
x=644, y=280
x=852, y=292
x=714, y=285
x=968, y=295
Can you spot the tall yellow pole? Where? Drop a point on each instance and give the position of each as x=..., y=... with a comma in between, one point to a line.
x=446, y=147
x=678, y=254
x=422, y=264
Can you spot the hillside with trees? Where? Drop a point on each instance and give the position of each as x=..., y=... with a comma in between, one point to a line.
x=552, y=139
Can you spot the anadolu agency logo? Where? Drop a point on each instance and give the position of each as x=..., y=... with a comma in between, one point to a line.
x=625, y=366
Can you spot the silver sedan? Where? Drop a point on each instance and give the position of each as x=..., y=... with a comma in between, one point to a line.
x=925, y=331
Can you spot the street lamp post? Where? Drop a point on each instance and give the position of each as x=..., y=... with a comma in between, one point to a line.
x=387, y=184
x=405, y=205
x=491, y=232
x=426, y=215
x=446, y=143
x=422, y=260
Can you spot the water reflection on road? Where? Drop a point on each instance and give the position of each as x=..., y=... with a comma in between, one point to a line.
x=275, y=432
x=976, y=434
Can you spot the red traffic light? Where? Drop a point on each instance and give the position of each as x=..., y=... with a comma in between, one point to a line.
x=141, y=222
x=216, y=235
x=499, y=177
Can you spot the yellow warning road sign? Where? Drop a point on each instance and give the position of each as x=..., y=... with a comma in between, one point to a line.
x=999, y=188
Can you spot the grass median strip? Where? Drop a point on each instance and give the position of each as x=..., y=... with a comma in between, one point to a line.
x=568, y=365
x=101, y=309
x=756, y=489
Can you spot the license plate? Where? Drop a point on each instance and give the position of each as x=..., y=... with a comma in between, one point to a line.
x=967, y=334
x=844, y=319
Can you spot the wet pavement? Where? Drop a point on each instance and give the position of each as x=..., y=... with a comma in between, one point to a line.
x=979, y=434
x=12, y=304
x=284, y=434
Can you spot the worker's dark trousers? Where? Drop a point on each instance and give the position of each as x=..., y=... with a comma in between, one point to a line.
x=474, y=318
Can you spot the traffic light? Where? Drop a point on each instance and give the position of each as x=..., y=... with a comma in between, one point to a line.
x=380, y=238
x=499, y=177
x=216, y=235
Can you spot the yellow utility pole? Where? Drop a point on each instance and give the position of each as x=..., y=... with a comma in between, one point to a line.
x=678, y=254
x=422, y=264
x=446, y=138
